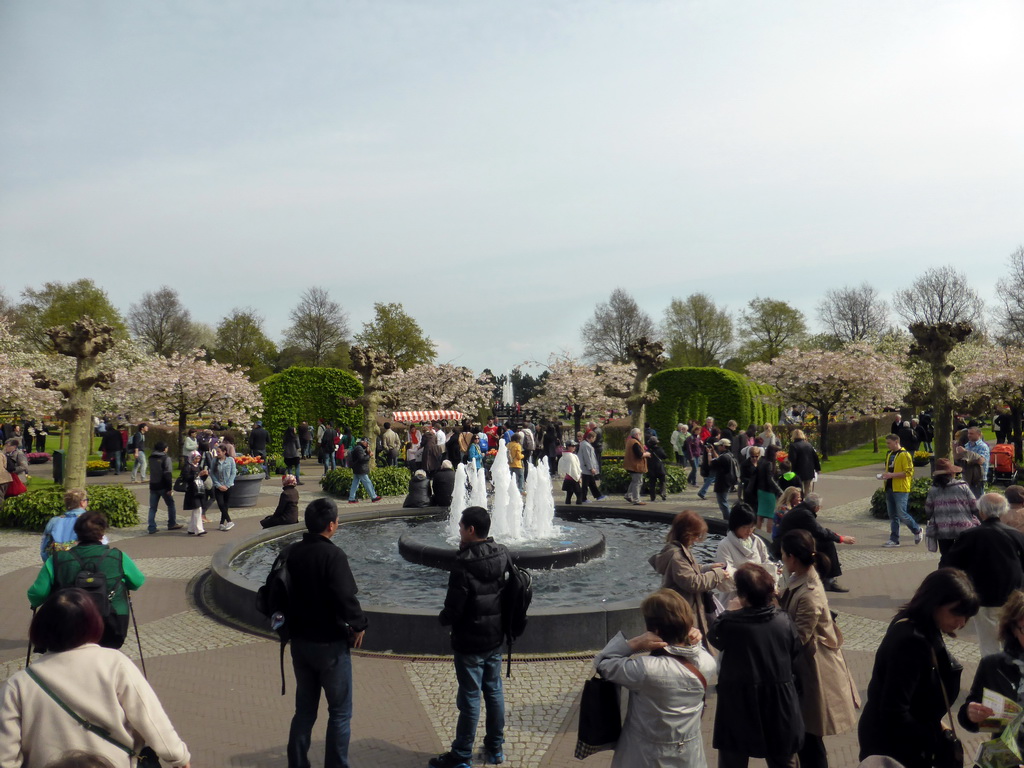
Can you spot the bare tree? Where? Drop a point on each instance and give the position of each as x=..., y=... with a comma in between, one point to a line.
x=319, y=325
x=854, y=314
x=162, y=323
x=614, y=326
x=1011, y=293
x=697, y=332
x=940, y=295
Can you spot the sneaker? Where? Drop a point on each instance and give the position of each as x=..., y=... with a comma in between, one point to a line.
x=153, y=531
x=352, y=501
x=448, y=760
x=918, y=536
x=600, y=498
x=639, y=503
x=493, y=758
x=228, y=526
x=191, y=533
x=201, y=533
x=177, y=527
x=374, y=501
x=221, y=527
x=700, y=497
x=891, y=543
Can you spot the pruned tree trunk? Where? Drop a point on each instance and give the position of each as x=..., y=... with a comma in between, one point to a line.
x=932, y=344
x=85, y=340
x=370, y=364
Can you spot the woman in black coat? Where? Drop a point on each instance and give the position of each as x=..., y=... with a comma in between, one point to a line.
x=902, y=718
x=443, y=485
x=550, y=445
x=287, y=512
x=758, y=712
x=1000, y=672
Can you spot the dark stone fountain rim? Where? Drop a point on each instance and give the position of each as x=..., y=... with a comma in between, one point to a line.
x=416, y=630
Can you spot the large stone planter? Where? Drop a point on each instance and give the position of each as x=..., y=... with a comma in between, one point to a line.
x=246, y=490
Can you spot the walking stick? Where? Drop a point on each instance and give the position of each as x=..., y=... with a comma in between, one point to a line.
x=28, y=653
x=131, y=610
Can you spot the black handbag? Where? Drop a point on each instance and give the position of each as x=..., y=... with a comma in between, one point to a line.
x=600, y=719
x=949, y=750
x=180, y=484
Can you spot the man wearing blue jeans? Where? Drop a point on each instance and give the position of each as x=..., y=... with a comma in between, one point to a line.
x=160, y=484
x=360, y=464
x=325, y=621
x=472, y=608
x=898, y=475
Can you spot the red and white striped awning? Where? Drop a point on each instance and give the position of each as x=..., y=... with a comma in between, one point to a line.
x=426, y=415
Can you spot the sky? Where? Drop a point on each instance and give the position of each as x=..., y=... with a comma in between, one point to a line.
x=499, y=168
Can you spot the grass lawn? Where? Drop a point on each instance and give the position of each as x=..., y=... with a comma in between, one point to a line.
x=861, y=456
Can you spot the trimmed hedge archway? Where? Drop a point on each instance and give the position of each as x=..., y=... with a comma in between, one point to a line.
x=306, y=394
x=693, y=394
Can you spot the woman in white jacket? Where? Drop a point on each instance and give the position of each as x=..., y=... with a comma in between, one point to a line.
x=666, y=688
x=100, y=685
x=741, y=545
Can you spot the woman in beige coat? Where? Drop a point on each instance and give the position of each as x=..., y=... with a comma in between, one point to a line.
x=828, y=698
x=681, y=572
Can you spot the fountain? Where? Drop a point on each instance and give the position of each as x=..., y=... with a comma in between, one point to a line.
x=581, y=602
x=522, y=522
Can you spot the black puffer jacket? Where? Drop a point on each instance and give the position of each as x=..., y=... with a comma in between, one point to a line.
x=472, y=606
x=419, y=493
x=443, y=487
x=360, y=461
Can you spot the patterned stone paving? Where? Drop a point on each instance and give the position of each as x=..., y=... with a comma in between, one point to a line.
x=538, y=698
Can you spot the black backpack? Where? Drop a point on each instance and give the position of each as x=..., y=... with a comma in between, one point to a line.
x=94, y=582
x=272, y=598
x=515, y=604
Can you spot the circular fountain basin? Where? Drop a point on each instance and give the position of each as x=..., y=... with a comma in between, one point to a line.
x=569, y=619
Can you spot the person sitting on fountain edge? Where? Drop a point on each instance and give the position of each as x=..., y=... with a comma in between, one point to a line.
x=472, y=608
x=443, y=485
x=419, y=491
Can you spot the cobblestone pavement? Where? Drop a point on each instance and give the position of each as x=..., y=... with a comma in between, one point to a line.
x=221, y=685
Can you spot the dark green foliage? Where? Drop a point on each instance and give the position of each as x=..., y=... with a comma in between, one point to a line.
x=615, y=479
x=307, y=394
x=693, y=394
x=33, y=510
x=915, y=505
x=387, y=481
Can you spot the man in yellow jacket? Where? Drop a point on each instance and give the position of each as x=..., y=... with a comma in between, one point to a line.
x=898, y=474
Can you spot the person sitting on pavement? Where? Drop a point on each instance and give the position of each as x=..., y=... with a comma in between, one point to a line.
x=804, y=516
x=1014, y=516
x=992, y=555
x=287, y=511
x=443, y=485
x=59, y=534
x=121, y=574
x=419, y=491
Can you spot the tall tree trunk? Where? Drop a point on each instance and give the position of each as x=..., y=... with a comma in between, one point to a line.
x=77, y=413
x=942, y=386
x=1015, y=430
x=823, y=433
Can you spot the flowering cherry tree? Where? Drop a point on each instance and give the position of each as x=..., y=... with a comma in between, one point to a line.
x=440, y=387
x=855, y=378
x=18, y=391
x=998, y=375
x=181, y=386
x=573, y=384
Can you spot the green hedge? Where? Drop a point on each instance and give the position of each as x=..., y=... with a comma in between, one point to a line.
x=33, y=510
x=615, y=479
x=307, y=394
x=387, y=481
x=693, y=394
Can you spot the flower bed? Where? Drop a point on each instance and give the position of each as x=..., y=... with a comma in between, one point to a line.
x=249, y=465
x=37, y=458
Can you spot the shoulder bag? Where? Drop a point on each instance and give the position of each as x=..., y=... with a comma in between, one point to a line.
x=600, y=720
x=949, y=750
x=146, y=757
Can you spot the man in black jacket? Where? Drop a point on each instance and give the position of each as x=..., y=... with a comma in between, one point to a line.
x=804, y=460
x=804, y=516
x=258, y=439
x=992, y=554
x=160, y=484
x=360, y=463
x=325, y=621
x=472, y=608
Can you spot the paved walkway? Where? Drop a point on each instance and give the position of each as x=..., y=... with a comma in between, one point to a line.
x=221, y=686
